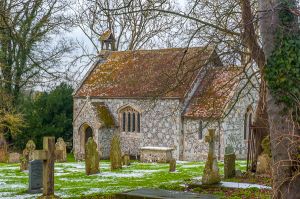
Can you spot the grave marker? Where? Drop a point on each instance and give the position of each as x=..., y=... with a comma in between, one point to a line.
x=211, y=170
x=91, y=157
x=3, y=149
x=172, y=165
x=35, y=176
x=61, y=146
x=229, y=163
x=48, y=156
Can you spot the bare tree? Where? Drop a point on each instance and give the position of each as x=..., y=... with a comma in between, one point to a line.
x=30, y=49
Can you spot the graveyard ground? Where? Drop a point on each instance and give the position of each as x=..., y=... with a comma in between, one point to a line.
x=71, y=181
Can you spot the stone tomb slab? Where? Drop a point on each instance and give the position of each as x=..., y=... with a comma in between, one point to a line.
x=162, y=194
x=156, y=154
x=234, y=185
x=35, y=176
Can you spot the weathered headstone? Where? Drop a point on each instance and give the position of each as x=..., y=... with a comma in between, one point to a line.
x=172, y=165
x=211, y=171
x=30, y=146
x=229, y=163
x=47, y=155
x=27, y=155
x=35, y=176
x=3, y=149
x=61, y=146
x=126, y=159
x=24, y=159
x=115, y=153
x=14, y=158
x=264, y=159
x=91, y=157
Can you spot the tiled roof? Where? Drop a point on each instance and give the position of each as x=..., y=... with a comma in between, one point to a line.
x=145, y=73
x=105, y=35
x=214, y=93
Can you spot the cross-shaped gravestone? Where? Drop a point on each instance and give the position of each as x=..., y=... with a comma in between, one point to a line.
x=211, y=170
x=48, y=155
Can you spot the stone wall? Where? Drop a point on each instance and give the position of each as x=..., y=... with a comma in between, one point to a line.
x=231, y=127
x=196, y=149
x=160, y=124
x=233, y=124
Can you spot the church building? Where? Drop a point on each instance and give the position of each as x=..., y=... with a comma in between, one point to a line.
x=163, y=98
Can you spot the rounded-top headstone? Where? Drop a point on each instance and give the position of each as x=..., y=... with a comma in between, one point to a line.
x=61, y=147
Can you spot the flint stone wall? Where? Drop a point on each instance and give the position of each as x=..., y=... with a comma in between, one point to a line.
x=196, y=149
x=160, y=125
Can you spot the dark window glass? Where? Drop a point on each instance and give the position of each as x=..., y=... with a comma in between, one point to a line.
x=124, y=122
x=88, y=133
x=129, y=122
x=138, y=123
x=200, y=130
x=133, y=122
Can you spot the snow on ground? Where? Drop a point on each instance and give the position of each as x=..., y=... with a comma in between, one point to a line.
x=71, y=181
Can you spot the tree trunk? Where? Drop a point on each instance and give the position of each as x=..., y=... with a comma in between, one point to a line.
x=281, y=125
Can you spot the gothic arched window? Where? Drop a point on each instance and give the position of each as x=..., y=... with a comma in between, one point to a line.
x=247, y=123
x=130, y=120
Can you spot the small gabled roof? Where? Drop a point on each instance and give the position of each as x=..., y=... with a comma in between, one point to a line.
x=214, y=94
x=165, y=73
x=107, y=35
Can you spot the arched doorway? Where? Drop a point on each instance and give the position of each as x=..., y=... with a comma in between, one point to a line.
x=85, y=132
x=88, y=133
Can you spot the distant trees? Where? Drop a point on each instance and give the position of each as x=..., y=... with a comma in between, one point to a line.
x=47, y=114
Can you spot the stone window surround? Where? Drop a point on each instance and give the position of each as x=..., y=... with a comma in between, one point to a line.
x=248, y=123
x=132, y=121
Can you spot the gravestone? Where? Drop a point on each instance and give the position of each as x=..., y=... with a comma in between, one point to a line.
x=27, y=155
x=24, y=159
x=61, y=146
x=172, y=165
x=115, y=153
x=264, y=159
x=229, y=163
x=48, y=156
x=14, y=158
x=211, y=171
x=30, y=146
x=3, y=149
x=35, y=176
x=126, y=159
x=91, y=157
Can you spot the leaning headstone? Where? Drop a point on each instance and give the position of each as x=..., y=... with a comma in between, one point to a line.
x=211, y=171
x=3, y=149
x=35, y=176
x=115, y=153
x=126, y=159
x=172, y=165
x=229, y=163
x=91, y=157
x=14, y=158
x=61, y=146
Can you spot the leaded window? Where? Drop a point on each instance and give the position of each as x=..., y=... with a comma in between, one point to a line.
x=130, y=120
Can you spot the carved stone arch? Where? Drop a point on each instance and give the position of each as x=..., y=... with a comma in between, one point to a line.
x=129, y=106
x=248, y=121
x=129, y=119
x=85, y=131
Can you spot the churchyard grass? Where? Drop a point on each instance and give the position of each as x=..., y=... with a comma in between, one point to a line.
x=72, y=182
